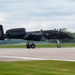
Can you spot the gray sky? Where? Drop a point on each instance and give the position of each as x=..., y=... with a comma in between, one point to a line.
x=38, y=14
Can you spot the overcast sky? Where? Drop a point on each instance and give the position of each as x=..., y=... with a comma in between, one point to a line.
x=38, y=14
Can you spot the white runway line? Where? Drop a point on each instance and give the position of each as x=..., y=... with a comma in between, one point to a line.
x=31, y=58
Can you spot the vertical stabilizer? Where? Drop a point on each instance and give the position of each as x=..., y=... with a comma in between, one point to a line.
x=1, y=33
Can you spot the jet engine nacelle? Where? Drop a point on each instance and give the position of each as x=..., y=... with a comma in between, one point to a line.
x=18, y=33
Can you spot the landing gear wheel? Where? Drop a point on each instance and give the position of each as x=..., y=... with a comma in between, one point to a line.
x=32, y=46
x=58, y=43
x=58, y=46
x=28, y=46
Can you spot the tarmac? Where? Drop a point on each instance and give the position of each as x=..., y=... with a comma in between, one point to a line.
x=23, y=54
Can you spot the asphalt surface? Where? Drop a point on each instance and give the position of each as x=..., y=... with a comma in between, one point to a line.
x=23, y=54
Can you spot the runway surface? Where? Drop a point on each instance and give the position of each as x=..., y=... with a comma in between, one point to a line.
x=23, y=54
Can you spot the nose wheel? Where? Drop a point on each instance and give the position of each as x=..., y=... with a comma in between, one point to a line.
x=58, y=46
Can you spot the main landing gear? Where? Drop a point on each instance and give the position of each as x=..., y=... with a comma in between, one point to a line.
x=58, y=43
x=30, y=45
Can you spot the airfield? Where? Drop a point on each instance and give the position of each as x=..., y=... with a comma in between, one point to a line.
x=23, y=54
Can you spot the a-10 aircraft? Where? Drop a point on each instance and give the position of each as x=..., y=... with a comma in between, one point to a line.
x=42, y=35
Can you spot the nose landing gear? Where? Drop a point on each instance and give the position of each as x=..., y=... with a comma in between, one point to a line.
x=58, y=43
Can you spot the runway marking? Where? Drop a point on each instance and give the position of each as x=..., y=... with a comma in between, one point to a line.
x=31, y=58
x=16, y=57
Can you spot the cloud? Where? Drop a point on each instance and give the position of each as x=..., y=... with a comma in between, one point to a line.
x=45, y=25
x=37, y=14
x=2, y=17
x=70, y=0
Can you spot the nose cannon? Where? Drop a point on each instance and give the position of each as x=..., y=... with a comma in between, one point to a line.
x=70, y=36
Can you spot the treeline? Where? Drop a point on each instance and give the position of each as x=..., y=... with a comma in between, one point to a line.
x=12, y=41
x=18, y=41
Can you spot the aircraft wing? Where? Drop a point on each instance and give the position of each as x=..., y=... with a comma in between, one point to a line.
x=34, y=36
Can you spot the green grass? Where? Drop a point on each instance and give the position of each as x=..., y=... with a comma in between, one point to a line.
x=37, y=68
x=38, y=45
x=12, y=46
x=54, y=45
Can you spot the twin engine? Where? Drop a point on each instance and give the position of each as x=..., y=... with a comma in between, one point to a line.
x=15, y=33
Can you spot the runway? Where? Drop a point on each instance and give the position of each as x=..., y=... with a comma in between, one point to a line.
x=23, y=54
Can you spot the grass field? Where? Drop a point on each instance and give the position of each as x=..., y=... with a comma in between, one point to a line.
x=38, y=45
x=37, y=68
